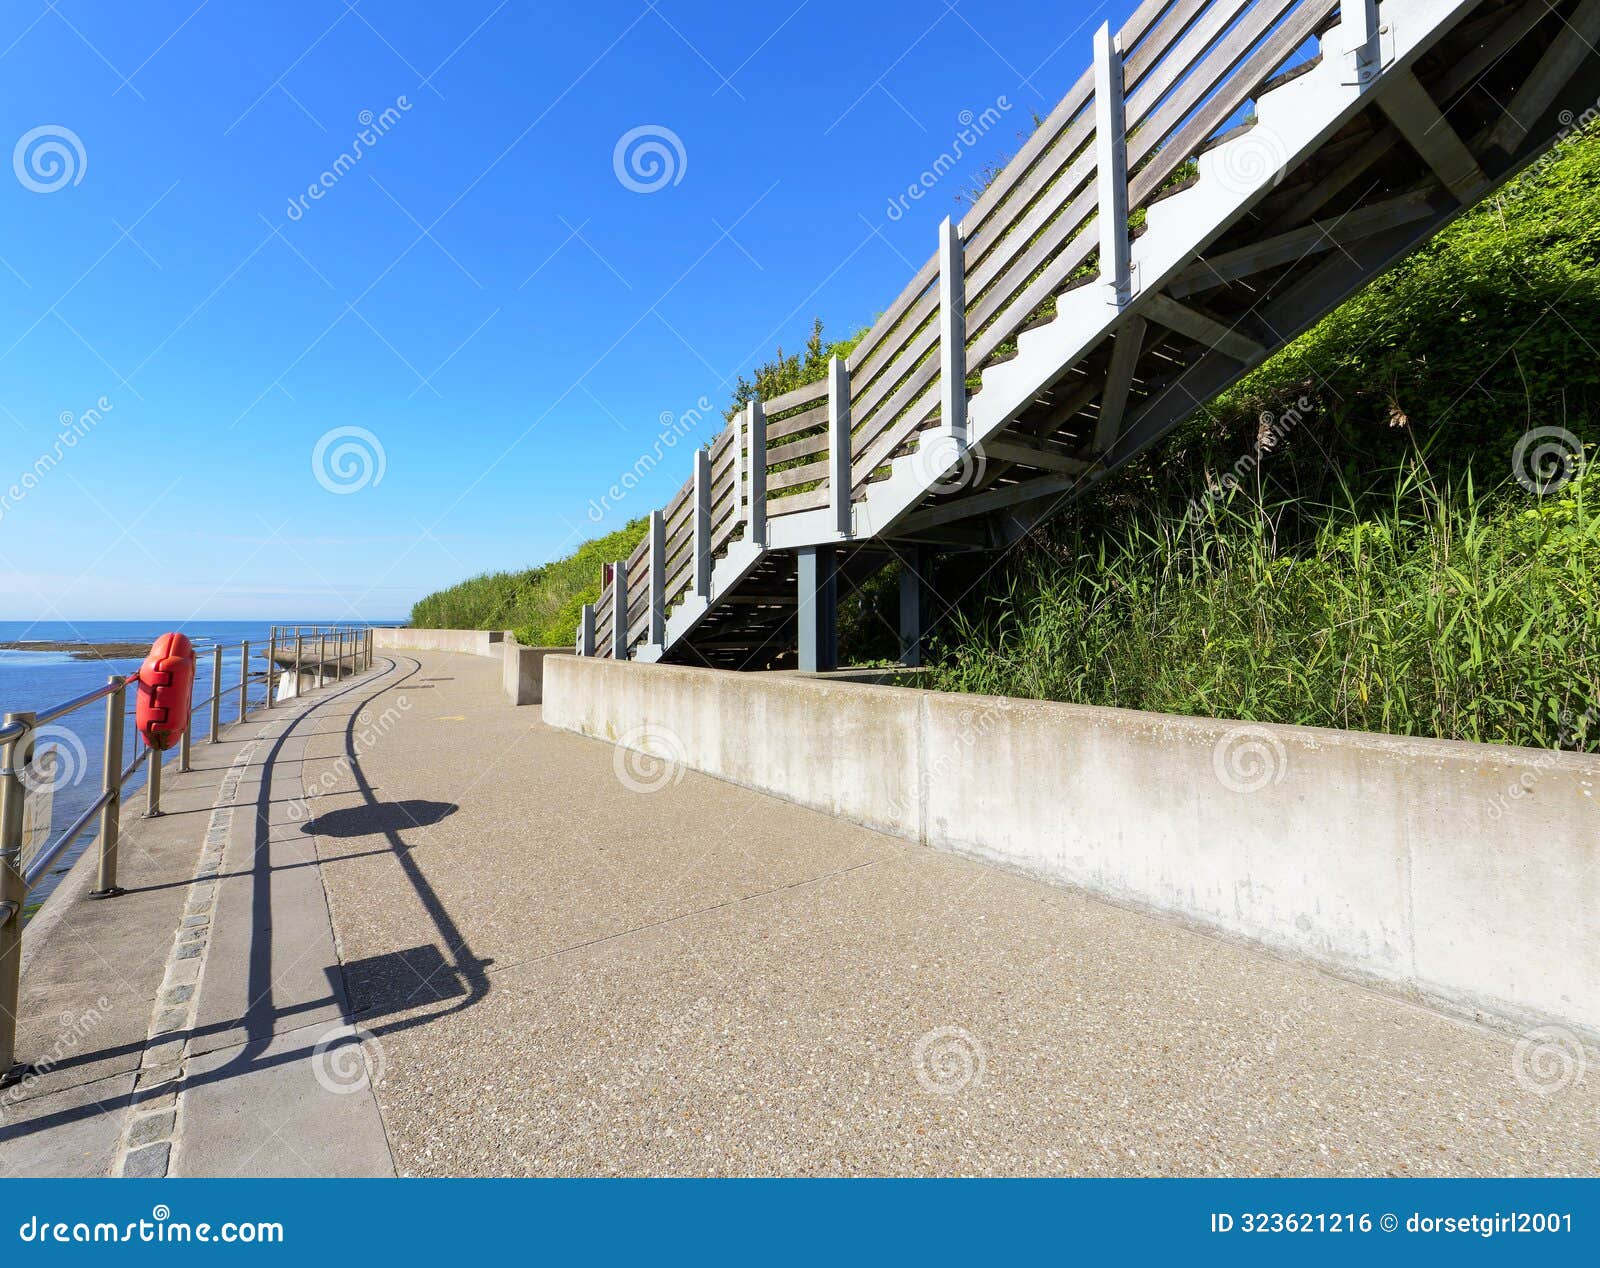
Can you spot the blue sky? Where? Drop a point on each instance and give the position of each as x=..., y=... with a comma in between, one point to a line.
x=328, y=407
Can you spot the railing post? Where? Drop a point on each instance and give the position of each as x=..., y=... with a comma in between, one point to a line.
x=952, y=335
x=152, y=784
x=1359, y=19
x=272, y=660
x=1111, y=153
x=756, y=471
x=839, y=444
x=13, y=891
x=619, y=610
x=299, y=654
x=244, y=680
x=216, y=694
x=111, y=784
x=658, y=580
x=586, y=631
x=702, y=523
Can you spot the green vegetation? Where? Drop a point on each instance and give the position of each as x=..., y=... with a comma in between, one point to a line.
x=1340, y=539
x=542, y=605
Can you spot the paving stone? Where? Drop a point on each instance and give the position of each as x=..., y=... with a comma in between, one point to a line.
x=149, y=1128
x=149, y=1163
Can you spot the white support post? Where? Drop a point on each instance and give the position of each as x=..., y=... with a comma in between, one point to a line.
x=756, y=471
x=657, y=634
x=839, y=444
x=952, y=335
x=1359, y=19
x=586, y=631
x=741, y=473
x=1111, y=153
x=619, y=610
x=702, y=523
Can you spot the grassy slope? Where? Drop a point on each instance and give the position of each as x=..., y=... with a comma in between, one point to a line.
x=541, y=604
x=1378, y=567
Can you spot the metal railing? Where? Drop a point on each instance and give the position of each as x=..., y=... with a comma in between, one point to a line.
x=323, y=651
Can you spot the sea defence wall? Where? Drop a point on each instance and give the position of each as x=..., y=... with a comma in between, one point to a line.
x=522, y=668
x=1464, y=874
x=470, y=642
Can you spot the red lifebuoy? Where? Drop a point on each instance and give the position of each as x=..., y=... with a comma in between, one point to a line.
x=166, y=686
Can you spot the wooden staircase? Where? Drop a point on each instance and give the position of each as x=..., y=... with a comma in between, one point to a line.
x=1224, y=175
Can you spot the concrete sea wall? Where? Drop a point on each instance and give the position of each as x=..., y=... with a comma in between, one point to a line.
x=1466, y=874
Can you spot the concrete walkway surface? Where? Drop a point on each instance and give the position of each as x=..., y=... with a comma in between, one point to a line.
x=401, y=927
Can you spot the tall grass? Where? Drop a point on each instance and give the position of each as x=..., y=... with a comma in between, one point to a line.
x=1452, y=610
x=541, y=604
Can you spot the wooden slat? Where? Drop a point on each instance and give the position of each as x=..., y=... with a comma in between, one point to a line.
x=804, y=474
x=807, y=501
x=794, y=423
x=802, y=448
x=891, y=316
x=802, y=395
x=868, y=373
x=1019, y=175
x=878, y=452
x=1243, y=77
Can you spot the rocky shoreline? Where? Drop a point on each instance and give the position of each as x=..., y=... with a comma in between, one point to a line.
x=83, y=651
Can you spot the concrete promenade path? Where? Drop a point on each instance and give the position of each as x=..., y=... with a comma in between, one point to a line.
x=401, y=927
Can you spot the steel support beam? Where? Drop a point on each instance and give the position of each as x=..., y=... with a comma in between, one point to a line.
x=818, y=593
